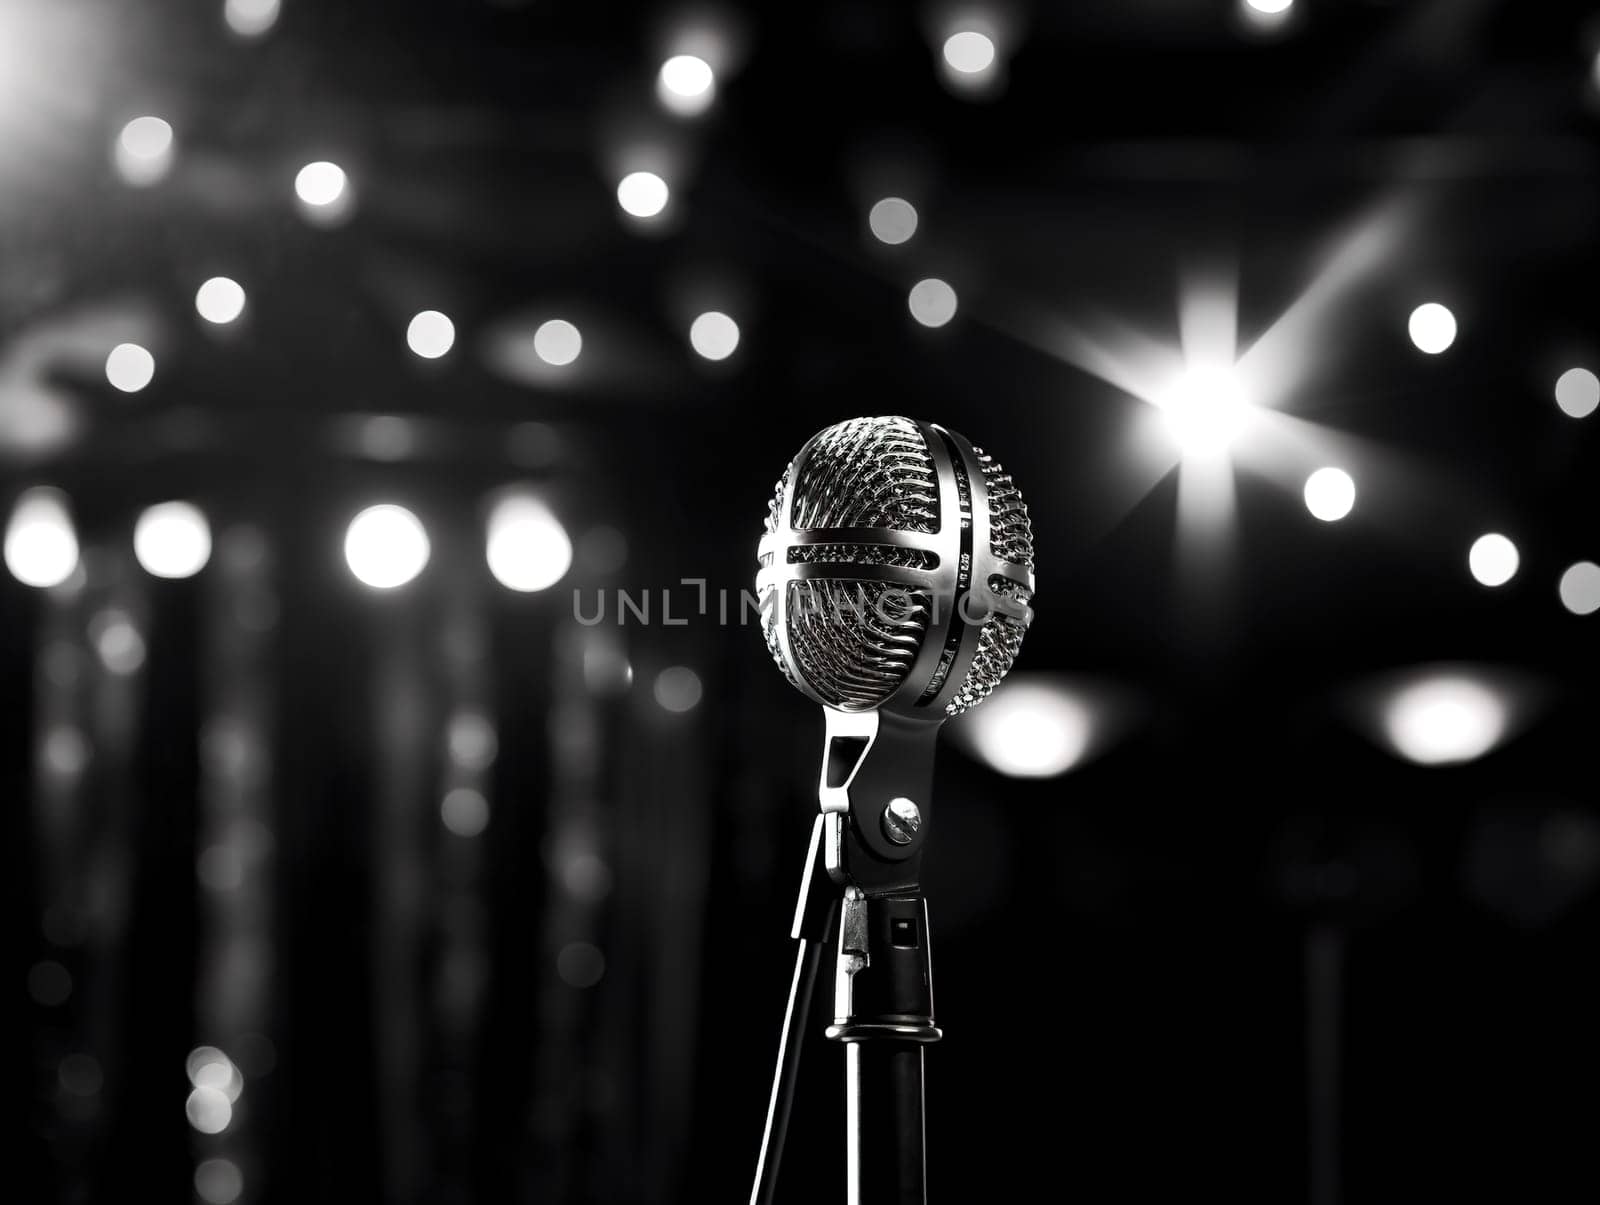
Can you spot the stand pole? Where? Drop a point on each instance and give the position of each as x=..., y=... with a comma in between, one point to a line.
x=884, y=1137
x=883, y=1010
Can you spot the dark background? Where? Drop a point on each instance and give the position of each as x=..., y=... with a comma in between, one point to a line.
x=1122, y=952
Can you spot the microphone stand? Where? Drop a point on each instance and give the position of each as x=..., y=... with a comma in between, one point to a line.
x=860, y=888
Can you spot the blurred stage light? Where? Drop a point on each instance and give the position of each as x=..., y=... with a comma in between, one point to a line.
x=1267, y=16
x=1205, y=410
x=66, y=751
x=130, y=367
x=250, y=18
x=1330, y=494
x=390, y=438
x=642, y=194
x=527, y=548
x=41, y=547
x=1030, y=727
x=714, y=335
x=144, y=150
x=1493, y=559
x=323, y=190
x=581, y=964
x=208, y=1067
x=320, y=183
x=606, y=670
x=218, y=1181
x=678, y=688
x=1580, y=588
x=219, y=868
x=557, y=342
x=117, y=641
x=430, y=334
x=219, y=300
x=969, y=52
x=932, y=302
x=585, y=876
x=49, y=983
x=686, y=84
x=1578, y=392
x=208, y=1110
x=172, y=539
x=464, y=812
x=1432, y=328
x=1445, y=718
x=386, y=546
x=893, y=220
x=80, y=1074
x=472, y=741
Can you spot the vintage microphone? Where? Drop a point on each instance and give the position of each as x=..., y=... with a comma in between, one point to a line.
x=895, y=583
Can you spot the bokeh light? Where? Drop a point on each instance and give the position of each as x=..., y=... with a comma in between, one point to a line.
x=557, y=342
x=1030, y=727
x=472, y=740
x=130, y=367
x=932, y=302
x=251, y=18
x=527, y=547
x=117, y=641
x=41, y=547
x=1330, y=494
x=464, y=812
x=209, y=1110
x=80, y=1074
x=145, y=150
x=1445, y=718
x=892, y=220
x=386, y=546
x=209, y=1067
x=66, y=751
x=172, y=539
x=320, y=184
x=642, y=194
x=678, y=688
x=220, y=868
x=218, y=1181
x=969, y=52
x=1493, y=559
x=1432, y=328
x=580, y=964
x=1204, y=410
x=1578, y=392
x=430, y=334
x=1580, y=588
x=220, y=300
x=686, y=84
x=714, y=335
x=49, y=983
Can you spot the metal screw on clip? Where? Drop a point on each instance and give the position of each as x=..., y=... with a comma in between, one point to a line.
x=901, y=820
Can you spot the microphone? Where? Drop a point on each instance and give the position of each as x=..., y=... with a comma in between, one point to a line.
x=896, y=569
x=895, y=588
x=896, y=584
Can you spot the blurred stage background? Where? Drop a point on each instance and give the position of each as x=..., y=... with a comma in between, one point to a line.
x=353, y=863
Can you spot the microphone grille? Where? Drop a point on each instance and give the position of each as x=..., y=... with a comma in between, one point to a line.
x=855, y=640
x=1010, y=539
x=852, y=641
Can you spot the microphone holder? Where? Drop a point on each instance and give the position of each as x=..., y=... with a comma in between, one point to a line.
x=861, y=891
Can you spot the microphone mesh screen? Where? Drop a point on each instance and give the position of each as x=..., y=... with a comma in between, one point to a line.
x=854, y=641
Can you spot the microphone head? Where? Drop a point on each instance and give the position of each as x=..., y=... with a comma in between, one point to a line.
x=896, y=570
